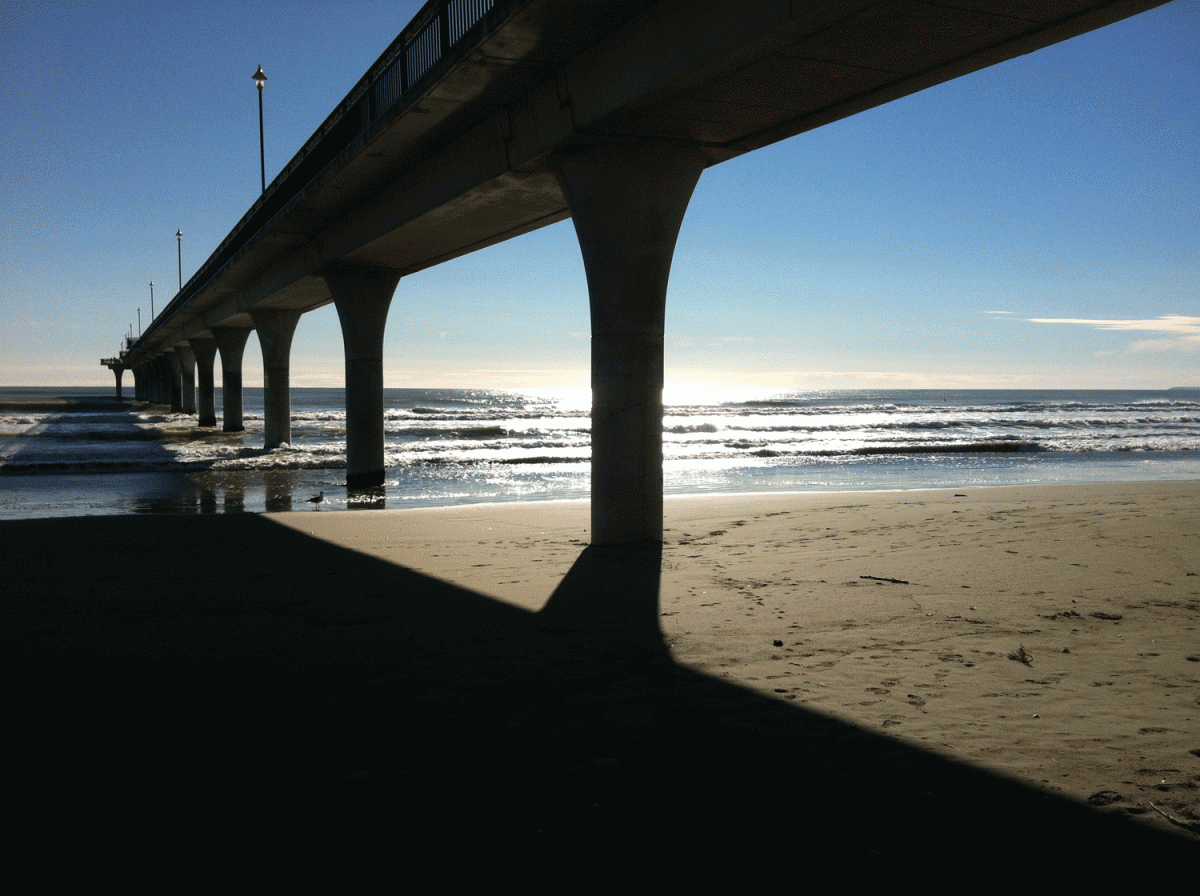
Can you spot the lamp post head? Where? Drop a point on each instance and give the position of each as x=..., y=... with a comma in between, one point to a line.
x=178, y=234
x=259, y=78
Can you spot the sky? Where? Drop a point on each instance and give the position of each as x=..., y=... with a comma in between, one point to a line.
x=1032, y=225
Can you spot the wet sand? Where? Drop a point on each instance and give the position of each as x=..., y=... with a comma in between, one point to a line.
x=868, y=676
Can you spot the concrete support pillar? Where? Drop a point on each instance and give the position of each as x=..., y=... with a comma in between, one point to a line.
x=275, y=328
x=187, y=377
x=159, y=380
x=232, y=342
x=139, y=383
x=163, y=381
x=175, y=393
x=362, y=297
x=118, y=371
x=205, y=350
x=152, y=378
x=627, y=202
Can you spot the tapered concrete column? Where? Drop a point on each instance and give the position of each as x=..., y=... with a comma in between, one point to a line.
x=160, y=380
x=627, y=202
x=139, y=383
x=173, y=383
x=187, y=377
x=152, y=381
x=232, y=342
x=205, y=350
x=362, y=297
x=275, y=328
x=163, y=385
x=118, y=371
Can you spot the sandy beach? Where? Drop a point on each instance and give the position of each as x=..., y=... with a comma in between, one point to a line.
x=855, y=674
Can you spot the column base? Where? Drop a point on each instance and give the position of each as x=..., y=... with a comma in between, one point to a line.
x=364, y=480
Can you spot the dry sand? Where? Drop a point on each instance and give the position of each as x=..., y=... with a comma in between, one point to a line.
x=976, y=673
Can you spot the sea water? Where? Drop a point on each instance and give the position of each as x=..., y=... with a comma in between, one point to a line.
x=66, y=452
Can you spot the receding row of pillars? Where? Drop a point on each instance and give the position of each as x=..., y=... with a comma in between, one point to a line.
x=182, y=377
x=627, y=202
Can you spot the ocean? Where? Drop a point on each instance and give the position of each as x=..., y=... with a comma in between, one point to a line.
x=71, y=452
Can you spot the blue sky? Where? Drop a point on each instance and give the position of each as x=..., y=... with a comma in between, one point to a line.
x=1034, y=225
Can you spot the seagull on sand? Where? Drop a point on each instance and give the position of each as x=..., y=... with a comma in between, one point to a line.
x=317, y=498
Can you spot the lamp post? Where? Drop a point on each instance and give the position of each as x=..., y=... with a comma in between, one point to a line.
x=151, y=300
x=139, y=323
x=179, y=252
x=261, y=79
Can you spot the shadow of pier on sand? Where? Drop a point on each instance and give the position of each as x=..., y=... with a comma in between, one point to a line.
x=197, y=671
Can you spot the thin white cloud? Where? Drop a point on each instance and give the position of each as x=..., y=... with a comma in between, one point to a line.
x=1184, y=330
x=997, y=312
x=1177, y=344
x=1169, y=323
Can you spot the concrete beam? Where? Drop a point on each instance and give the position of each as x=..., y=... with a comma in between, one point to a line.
x=275, y=329
x=154, y=380
x=627, y=202
x=160, y=380
x=362, y=297
x=187, y=377
x=205, y=350
x=174, y=392
x=231, y=341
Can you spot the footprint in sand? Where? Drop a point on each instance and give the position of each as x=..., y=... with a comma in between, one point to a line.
x=1104, y=798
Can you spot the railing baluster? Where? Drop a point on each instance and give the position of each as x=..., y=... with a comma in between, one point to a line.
x=443, y=29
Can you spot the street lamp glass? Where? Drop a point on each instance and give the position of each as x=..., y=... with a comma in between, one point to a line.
x=259, y=78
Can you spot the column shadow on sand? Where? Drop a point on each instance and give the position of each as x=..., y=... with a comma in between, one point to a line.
x=193, y=671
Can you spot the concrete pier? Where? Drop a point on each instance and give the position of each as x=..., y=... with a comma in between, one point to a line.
x=232, y=343
x=163, y=376
x=153, y=380
x=205, y=350
x=275, y=328
x=613, y=129
x=362, y=297
x=627, y=202
x=175, y=392
x=117, y=366
x=187, y=377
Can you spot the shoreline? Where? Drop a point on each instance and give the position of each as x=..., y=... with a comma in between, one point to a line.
x=26, y=495
x=1029, y=655
x=447, y=446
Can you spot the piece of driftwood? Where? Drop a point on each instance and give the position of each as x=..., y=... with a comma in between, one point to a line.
x=1171, y=818
x=882, y=579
